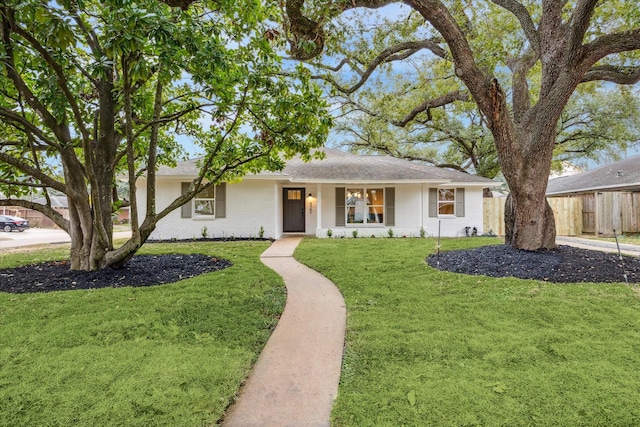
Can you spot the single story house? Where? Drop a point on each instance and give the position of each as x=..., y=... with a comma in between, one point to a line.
x=343, y=192
x=610, y=196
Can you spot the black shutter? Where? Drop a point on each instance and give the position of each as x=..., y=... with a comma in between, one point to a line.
x=185, y=211
x=340, y=208
x=390, y=206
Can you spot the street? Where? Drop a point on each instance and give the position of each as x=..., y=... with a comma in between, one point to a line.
x=40, y=236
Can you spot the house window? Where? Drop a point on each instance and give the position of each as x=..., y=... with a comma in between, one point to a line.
x=365, y=206
x=204, y=203
x=446, y=201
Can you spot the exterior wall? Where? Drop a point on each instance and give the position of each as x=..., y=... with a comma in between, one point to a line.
x=411, y=214
x=252, y=204
x=249, y=205
x=455, y=226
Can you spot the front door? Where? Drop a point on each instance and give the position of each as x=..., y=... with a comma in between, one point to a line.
x=293, y=210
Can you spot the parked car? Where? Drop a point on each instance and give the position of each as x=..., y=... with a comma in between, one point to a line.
x=9, y=223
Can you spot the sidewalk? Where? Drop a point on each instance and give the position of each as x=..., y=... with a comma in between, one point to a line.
x=295, y=380
x=599, y=245
x=42, y=236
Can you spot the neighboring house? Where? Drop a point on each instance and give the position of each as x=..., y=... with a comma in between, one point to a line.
x=610, y=196
x=342, y=193
x=37, y=219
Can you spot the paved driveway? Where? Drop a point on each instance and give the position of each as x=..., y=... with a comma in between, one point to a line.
x=39, y=236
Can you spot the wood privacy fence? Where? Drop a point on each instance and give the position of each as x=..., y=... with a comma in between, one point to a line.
x=605, y=212
x=592, y=213
x=566, y=210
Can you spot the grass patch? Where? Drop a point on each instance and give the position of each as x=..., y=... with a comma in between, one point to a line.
x=629, y=239
x=172, y=354
x=426, y=347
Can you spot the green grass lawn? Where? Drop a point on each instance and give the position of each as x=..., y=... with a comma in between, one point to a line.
x=630, y=239
x=431, y=348
x=168, y=355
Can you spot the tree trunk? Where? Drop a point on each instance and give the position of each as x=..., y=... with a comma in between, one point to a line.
x=529, y=223
x=529, y=220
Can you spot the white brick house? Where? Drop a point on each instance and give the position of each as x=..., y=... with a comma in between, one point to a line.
x=343, y=192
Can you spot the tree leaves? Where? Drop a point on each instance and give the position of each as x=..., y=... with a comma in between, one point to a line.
x=112, y=88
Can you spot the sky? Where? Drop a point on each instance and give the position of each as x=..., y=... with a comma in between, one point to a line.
x=373, y=18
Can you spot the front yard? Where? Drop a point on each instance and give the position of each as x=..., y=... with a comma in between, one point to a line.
x=168, y=355
x=426, y=347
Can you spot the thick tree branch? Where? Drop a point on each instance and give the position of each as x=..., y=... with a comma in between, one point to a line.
x=579, y=22
x=521, y=97
x=307, y=35
x=30, y=170
x=62, y=80
x=47, y=210
x=614, y=74
x=394, y=53
x=610, y=44
x=345, y=61
x=61, y=132
x=11, y=116
x=422, y=108
x=522, y=15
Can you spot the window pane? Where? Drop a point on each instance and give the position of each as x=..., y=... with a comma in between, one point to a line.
x=294, y=194
x=375, y=215
x=206, y=193
x=204, y=207
x=355, y=214
x=376, y=196
x=446, y=194
x=354, y=196
x=446, y=208
x=355, y=205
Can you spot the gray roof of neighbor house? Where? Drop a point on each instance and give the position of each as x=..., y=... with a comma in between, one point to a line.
x=56, y=201
x=339, y=166
x=617, y=176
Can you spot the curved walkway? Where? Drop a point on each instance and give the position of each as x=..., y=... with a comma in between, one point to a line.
x=295, y=380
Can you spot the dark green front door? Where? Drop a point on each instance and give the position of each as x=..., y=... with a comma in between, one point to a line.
x=293, y=210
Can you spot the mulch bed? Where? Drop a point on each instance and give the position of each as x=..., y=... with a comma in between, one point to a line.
x=141, y=270
x=565, y=264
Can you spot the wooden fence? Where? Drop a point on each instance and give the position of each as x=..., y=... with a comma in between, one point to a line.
x=597, y=213
x=36, y=219
x=605, y=212
x=566, y=210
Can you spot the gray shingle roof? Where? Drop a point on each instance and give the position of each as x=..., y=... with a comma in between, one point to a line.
x=621, y=175
x=340, y=166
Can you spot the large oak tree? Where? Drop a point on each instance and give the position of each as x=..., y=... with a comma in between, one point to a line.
x=96, y=91
x=546, y=48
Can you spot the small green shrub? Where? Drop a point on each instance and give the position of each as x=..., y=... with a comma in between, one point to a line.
x=390, y=232
x=354, y=233
x=329, y=233
x=423, y=233
x=205, y=234
x=261, y=232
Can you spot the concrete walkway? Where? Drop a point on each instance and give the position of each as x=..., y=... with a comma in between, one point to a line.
x=295, y=380
x=599, y=245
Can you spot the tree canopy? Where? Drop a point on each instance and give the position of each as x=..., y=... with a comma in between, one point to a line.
x=519, y=62
x=96, y=91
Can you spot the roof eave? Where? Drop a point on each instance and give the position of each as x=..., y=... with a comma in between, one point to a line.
x=625, y=187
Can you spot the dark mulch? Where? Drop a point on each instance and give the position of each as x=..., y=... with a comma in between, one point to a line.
x=141, y=270
x=565, y=264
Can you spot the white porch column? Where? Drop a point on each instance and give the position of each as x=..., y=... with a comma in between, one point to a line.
x=318, y=209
